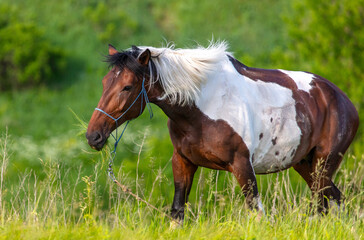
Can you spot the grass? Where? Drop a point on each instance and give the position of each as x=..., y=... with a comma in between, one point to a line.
x=53, y=186
x=59, y=206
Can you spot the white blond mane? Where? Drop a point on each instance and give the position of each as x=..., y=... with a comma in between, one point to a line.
x=181, y=72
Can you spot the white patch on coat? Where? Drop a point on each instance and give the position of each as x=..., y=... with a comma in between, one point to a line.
x=335, y=207
x=302, y=79
x=253, y=108
x=260, y=205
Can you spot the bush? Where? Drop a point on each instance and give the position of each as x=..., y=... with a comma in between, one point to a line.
x=330, y=35
x=110, y=25
x=27, y=59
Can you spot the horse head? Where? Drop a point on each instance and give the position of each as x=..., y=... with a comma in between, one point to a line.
x=123, y=95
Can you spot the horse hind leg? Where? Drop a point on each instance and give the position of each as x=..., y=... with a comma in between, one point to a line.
x=324, y=190
x=337, y=133
x=317, y=169
x=322, y=162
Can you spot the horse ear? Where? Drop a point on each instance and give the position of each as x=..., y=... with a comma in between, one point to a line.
x=135, y=48
x=144, y=57
x=112, y=50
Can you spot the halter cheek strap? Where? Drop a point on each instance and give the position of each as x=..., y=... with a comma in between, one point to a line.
x=144, y=95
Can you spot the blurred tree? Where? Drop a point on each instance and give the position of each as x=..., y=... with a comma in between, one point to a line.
x=327, y=38
x=110, y=25
x=243, y=24
x=26, y=57
x=329, y=35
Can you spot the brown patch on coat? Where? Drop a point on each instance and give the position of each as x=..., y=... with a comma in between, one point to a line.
x=274, y=141
x=293, y=152
x=260, y=136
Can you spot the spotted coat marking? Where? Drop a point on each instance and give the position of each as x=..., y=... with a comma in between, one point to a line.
x=252, y=107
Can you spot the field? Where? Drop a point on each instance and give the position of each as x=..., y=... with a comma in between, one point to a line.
x=54, y=186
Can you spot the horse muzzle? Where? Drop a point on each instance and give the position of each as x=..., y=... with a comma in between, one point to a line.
x=96, y=140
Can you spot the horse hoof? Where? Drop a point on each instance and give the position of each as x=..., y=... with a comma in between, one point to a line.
x=336, y=209
x=256, y=215
x=259, y=216
x=175, y=224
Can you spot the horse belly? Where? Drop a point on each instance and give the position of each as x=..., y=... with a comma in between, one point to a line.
x=274, y=152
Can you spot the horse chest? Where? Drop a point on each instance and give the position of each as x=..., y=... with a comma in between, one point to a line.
x=210, y=145
x=263, y=114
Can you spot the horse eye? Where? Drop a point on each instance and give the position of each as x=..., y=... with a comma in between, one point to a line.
x=127, y=88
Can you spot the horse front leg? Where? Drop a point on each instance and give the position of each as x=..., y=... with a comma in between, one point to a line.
x=244, y=173
x=183, y=172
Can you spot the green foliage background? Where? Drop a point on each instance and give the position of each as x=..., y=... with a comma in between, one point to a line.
x=25, y=56
x=62, y=44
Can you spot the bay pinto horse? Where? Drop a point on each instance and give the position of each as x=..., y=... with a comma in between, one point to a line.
x=224, y=115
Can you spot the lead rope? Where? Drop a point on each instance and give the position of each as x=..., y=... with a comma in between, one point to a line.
x=110, y=171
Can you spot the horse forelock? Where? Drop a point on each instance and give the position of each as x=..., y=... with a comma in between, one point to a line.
x=126, y=59
x=181, y=72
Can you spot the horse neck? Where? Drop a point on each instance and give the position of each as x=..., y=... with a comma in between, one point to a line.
x=177, y=113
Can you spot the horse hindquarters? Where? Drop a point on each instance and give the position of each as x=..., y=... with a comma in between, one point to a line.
x=339, y=128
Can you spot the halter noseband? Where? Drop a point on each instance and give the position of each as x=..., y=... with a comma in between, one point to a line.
x=143, y=93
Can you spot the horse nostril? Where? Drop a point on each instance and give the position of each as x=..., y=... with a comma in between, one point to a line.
x=94, y=138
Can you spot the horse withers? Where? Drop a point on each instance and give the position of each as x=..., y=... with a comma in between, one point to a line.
x=224, y=115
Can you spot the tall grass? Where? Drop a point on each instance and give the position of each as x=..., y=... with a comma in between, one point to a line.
x=60, y=206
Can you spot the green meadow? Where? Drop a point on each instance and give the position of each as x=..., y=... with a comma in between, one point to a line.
x=54, y=186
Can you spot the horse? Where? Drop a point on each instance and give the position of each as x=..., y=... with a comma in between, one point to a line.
x=224, y=115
